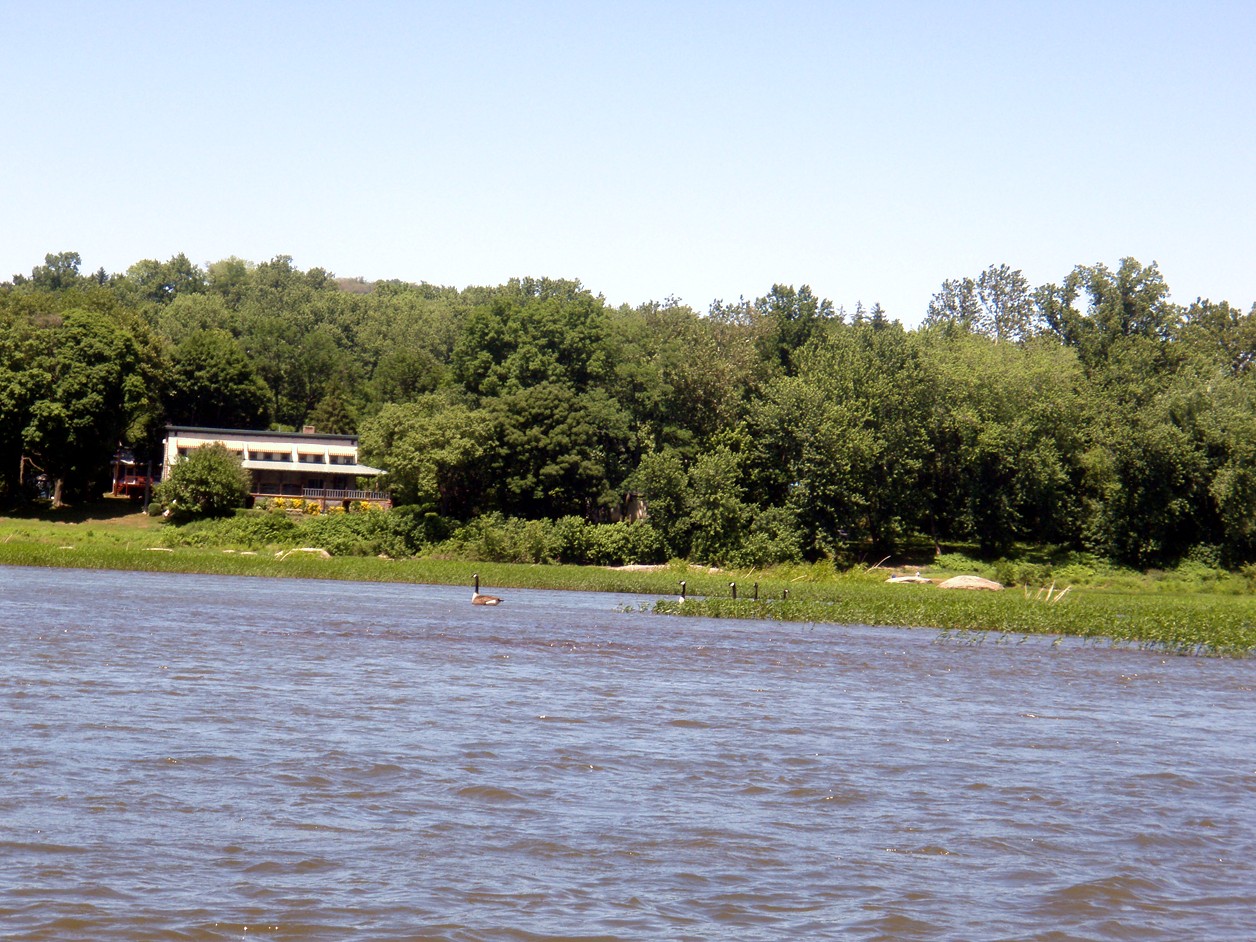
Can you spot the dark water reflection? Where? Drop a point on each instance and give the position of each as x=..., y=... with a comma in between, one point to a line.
x=186, y=757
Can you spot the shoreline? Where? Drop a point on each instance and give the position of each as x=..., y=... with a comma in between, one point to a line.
x=1196, y=624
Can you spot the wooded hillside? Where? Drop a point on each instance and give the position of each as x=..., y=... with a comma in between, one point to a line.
x=1091, y=413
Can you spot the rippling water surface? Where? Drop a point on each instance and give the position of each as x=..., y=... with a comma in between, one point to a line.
x=202, y=758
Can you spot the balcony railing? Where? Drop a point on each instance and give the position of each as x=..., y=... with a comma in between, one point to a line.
x=324, y=493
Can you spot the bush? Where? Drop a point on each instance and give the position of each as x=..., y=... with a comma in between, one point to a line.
x=407, y=530
x=247, y=529
x=209, y=482
x=774, y=538
x=498, y=539
x=622, y=544
x=958, y=562
x=494, y=538
x=344, y=535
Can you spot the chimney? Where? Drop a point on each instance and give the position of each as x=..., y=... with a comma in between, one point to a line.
x=308, y=430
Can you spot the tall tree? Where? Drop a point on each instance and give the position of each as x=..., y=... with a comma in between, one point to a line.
x=555, y=451
x=157, y=282
x=59, y=271
x=1130, y=304
x=21, y=384
x=98, y=386
x=842, y=444
x=1221, y=333
x=532, y=333
x=213, y=383
x=998, y=304
x=433, y=450
x=1007, y=428
x=785, y=319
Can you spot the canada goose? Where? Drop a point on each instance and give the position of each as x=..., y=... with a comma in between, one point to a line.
x=478, y=599
x=682, y=590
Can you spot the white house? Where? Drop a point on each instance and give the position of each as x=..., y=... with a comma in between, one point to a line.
x=307, y=464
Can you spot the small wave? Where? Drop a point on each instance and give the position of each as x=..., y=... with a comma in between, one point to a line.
x=898, y=926
x=928, y=850
x=490, y=793
x=382, y=770
x=1109, y=894
x=38, y=848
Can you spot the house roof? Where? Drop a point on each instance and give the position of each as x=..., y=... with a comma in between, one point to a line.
x=360, y=470
x=238, y=433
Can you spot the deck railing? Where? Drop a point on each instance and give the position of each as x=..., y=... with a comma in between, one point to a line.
x=325, y=493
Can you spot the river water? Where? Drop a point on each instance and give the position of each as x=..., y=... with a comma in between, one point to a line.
x=204, y=758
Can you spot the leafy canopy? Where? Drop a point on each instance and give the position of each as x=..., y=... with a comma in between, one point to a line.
x=209, y=482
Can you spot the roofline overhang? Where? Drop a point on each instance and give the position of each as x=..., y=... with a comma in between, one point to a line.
x=220, y=433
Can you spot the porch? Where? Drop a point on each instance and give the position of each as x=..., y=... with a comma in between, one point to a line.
x=325, y=496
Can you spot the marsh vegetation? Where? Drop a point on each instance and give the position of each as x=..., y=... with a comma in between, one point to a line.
x=1193, y=608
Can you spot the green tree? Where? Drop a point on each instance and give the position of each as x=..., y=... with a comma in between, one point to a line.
x=785, y=319
x=660, y=477
x=433, y=450
x=21, y=384
x=186, y=314
x=209, y=482
x=842, y=445
x=532, y=333
x=555, y=451
x=998, y=304
x=680, y=377
x=99, y=386
x=214, y=384
x=1221, y=334
x=1007, y=427
x=719, y=514
x=297, y=362
x=403, y=374
x=1128, y=305
x=955, y=306
x=59, y=272
x=1177, y=473
x=334, y=413
x=154, y=282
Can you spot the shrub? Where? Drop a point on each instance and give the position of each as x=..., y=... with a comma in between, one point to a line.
x=247, y=529
x=494, y=538
x=497, y=539
x=209, y=482
x=622, y=544
x=774, y=538
x=407, y=530
x=958, y=562
x=344, y=535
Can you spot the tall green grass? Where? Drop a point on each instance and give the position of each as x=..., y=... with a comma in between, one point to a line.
x=1189, y=624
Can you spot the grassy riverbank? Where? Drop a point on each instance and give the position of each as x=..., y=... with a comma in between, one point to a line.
x=1189, y=624
x=1176, y=613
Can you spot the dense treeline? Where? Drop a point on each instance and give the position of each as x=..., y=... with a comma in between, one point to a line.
x=1092, y=413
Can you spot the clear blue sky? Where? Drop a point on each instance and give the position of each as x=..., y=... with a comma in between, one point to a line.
x=701, y=150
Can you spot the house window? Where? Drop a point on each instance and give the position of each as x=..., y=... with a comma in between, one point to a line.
x=306, y=458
